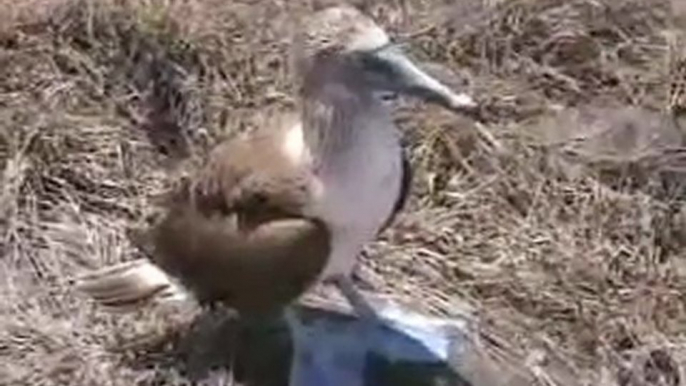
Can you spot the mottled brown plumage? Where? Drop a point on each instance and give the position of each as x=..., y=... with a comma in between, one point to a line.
x=237, y=228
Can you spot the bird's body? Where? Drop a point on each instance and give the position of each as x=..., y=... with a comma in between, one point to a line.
x=347, y=194
x=274, y=212
x=294, y=203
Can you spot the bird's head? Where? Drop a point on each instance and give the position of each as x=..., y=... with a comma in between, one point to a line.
x=341, y=44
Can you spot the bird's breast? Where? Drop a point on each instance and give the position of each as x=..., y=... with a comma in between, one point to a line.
x=361, y=188
x=356, y=187
x=357, y=192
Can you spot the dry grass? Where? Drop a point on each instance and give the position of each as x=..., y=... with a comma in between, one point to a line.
x=564, y=231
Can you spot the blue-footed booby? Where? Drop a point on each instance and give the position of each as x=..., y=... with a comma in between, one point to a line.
x=273, y=212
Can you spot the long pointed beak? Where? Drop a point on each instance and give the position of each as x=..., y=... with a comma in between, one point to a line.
x=406, y=77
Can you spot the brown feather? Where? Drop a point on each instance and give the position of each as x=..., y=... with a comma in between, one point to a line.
x=235, y=233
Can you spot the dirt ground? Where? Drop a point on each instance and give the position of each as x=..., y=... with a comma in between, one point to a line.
x=559, y=222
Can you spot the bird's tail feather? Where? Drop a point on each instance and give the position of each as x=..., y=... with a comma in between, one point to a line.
x=130, y=286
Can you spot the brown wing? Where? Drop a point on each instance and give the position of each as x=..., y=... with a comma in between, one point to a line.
x=235, y=233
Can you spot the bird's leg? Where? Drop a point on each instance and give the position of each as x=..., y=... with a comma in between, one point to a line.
x=345, y=284
x=360, y=305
